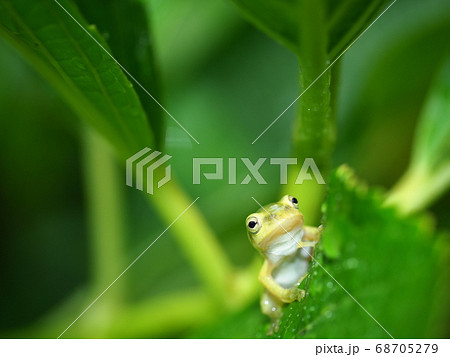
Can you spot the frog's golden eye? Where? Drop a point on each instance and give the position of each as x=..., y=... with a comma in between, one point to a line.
x=294, y=201
x=253, y=224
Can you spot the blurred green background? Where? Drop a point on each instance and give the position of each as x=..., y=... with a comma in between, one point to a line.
x=225, y=81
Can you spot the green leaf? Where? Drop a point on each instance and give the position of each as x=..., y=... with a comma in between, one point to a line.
x=283, y=19
x=276, y=18
x=347, y=19
x=83, y=74
x=394, y=267
x=428, y=175
x=432, y=147
x=131, y=43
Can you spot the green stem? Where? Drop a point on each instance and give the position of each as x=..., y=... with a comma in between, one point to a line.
x=314, y=132
x=195, y=237
x=418, y=188
x=105, y=214
x=161, y=316
x=167, y=315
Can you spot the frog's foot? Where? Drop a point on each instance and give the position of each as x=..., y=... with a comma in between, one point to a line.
x=292, y=294
x=272, y=307
x=297, y=294
x=274, y=327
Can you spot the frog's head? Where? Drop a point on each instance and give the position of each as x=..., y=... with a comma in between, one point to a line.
x=272, y=221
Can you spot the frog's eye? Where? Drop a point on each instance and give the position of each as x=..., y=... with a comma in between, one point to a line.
x=294, y=201
x=253, y=225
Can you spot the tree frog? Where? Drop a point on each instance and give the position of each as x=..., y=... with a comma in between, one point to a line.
x=278, y=232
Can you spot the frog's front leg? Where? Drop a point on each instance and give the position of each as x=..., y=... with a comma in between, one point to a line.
x=310, y=239
x=312, y=234
x=285, y=295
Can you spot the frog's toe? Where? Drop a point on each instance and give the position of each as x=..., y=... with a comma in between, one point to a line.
x=300, y=294
x=274, y=327
x=295, y=295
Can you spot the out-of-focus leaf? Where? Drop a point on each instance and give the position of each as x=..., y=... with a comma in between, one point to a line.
x=276, y=18
x=432, y=147
x=185, y=46
x=282, y=20
x=395, y=267
x=379, y=99
x=428, y=175
x=87, y=78
x=347, y=19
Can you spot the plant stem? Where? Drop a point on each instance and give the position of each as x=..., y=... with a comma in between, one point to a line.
x=195, y=237
x=314, y=132
x=161, y=316
x=418, y=188
x=428, y=175
x=166, y=315
x=105, y=214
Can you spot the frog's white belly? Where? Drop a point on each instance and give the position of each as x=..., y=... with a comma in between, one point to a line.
x=292, y=269
x=285, y=245
x=295, y=261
